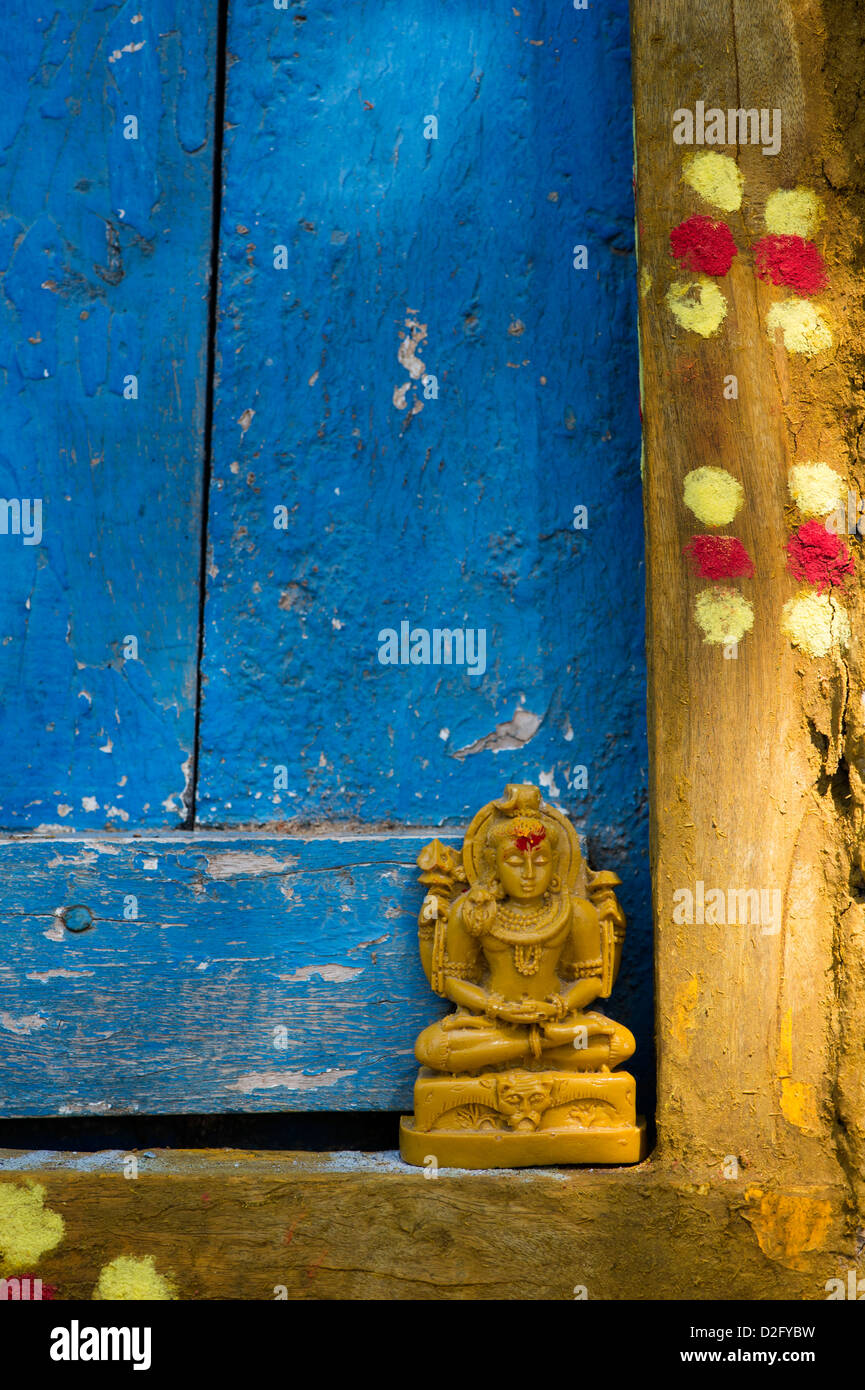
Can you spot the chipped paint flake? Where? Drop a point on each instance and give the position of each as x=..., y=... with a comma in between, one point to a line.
x=547, y=780
x=407, y=350
x=513, y=733
x=289, y=1080
x=44, y=975
x=241, y=864
x=76, y=861
x=127, y=48
x=90, y=1107
x=169, y=804
x=24, y=1023
x=336, y=974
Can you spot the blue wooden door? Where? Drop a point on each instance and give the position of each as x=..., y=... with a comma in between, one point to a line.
x=105, y=185
x=424, y=420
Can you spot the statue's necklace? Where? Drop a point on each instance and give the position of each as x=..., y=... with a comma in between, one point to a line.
x=527, y=932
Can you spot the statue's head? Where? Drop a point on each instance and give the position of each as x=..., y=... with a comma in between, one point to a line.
x=520, y=852
x=518, y=848
x=524, y=857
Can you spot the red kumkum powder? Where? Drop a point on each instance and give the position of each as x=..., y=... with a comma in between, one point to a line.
x=719, y=557
x=700, y=244
x=819, y=557
x=790, y=260
x=48, y=1290
x=530, y=841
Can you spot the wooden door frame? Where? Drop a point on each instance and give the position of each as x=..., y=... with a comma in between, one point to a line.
x=780, y=1219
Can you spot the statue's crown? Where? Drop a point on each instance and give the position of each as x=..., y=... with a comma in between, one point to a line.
x=520, y=799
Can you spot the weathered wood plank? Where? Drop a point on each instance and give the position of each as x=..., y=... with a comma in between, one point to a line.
x=455, y=511
x=755, y=747
x=223, y=973
x=256, y=974
x=105, y=184
x=352, y=1226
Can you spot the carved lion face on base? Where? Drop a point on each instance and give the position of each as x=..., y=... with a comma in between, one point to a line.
x=523, y=1100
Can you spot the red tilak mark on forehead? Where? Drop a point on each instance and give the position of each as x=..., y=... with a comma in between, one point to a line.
x=526, y=842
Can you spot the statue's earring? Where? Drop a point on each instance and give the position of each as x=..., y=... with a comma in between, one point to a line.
x=555, y=883
x=497, y=890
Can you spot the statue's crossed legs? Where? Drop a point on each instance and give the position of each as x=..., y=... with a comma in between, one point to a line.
x=469, y=1042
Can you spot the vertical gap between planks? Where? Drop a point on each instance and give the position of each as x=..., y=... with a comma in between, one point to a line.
x=212, y=323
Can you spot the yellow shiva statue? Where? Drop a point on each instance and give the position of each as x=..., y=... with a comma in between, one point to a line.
x=523, y=938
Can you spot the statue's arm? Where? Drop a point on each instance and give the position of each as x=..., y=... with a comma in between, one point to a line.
x=582, y=957
x=461, y=964
x=602, y=886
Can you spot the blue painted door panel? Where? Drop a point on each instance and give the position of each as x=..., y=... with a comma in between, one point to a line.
x=256, y=974
x=105, y=190
x=354, y=250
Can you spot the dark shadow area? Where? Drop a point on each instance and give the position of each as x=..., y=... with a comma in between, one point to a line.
x=329, y=1131
x=319, y=1132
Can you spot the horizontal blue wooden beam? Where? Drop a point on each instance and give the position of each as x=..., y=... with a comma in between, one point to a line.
x=220, y=972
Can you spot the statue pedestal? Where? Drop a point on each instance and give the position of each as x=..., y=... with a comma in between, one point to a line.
x=519, y=1118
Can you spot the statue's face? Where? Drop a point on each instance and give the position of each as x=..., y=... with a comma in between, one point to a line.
x=524, y=873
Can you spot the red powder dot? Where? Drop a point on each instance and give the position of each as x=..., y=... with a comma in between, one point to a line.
x=790, y=260
x=700, y=244
x=48, y=1291
x=719, y=557
x=818, y=557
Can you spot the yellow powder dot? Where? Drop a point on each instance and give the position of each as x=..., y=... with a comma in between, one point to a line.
x=713, y=495
x=802, y=326
x=129, y=1278
x=27, y=1227
x=716, y=178
x=815, y=623
x=793, y=212
x=815, y=488
x=724, y=615
x=697, y=305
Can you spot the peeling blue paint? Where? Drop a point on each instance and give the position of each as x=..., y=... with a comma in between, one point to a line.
x=458, y=516
x=104, y=258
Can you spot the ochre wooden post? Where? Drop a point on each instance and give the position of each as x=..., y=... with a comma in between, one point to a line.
x=756, y=746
